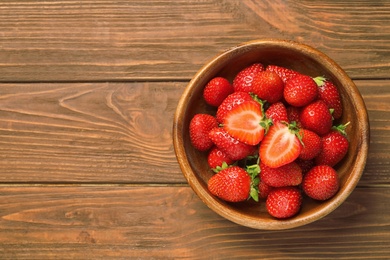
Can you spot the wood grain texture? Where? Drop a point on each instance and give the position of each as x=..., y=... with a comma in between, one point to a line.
x=88, y=90
x=147, y=40
x=120, y=222
x=121, y=132
x=109, y=132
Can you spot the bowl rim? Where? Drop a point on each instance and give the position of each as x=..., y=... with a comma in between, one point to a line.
x=245, y=220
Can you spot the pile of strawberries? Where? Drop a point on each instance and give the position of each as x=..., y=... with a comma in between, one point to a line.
x=273, y=137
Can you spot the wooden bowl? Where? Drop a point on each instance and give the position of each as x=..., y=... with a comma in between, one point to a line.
x=301, y=58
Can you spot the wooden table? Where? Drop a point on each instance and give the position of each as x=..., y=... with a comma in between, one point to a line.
x=88, y=90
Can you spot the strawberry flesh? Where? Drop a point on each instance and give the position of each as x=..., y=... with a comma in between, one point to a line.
x=280, y=146
x=244, y=123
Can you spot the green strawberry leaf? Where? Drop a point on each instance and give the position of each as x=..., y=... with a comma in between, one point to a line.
x=254, y=194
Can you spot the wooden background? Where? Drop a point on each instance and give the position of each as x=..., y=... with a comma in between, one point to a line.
x=88, y=90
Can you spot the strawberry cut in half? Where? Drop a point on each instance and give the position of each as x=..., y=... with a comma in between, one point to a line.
x=246, y=123
x=280, y=146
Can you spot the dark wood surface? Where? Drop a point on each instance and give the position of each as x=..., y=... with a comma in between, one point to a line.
x=88, y=90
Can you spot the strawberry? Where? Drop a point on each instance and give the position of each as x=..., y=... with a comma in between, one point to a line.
x=316, y=117
x=321, y=182
x=233, y=184
x=280, y=146
x=286, y=175
x=200, y=126
x=334, y=147
x=216, y=158
x=329, y=93
x=233, y=148
x=277, y=112
x=305, y=165
x=245, y=123
x=312, y=144
x=300, y=90
x=264, y=190
x=293, y=114
x=243, y=80
x=268, y=86
x=284, y=202
x=284, y=73
x=216, y=90
x=230, y=102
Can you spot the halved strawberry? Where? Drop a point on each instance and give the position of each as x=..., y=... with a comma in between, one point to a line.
x=245, y=123
x=280, y=146
x=230, y=102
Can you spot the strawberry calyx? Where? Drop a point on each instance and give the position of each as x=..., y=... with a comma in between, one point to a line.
x=293, y=128
x=320, y=80
x=220, y=168
x=258, y=100
x=254, y=171
x=265, y=122
x=341, y=128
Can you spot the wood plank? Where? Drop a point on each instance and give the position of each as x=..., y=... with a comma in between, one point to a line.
x=121, y=132
x=108, y=132
x=47, y=222
x=136, y=40
x=376, y=95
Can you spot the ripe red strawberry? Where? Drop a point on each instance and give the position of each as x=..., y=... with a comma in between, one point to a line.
x=232, y=184
x=217, y=90
x=243, y=80
x=286, y=175
x=312, y=144
x=268, y=86
x=233, y=148
x=284, y=73
x=305, y=165
x=300, y=90
x=230, y=102
x=334, y=147
x=316, y=117
x=329, y=93
x=245, y=123
x=321, y=182
x=280, y=146
x=216, y=158
x=284, y=202
x=277, y=112
x=293, y=114
x=200, y=126
x=264, y=190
